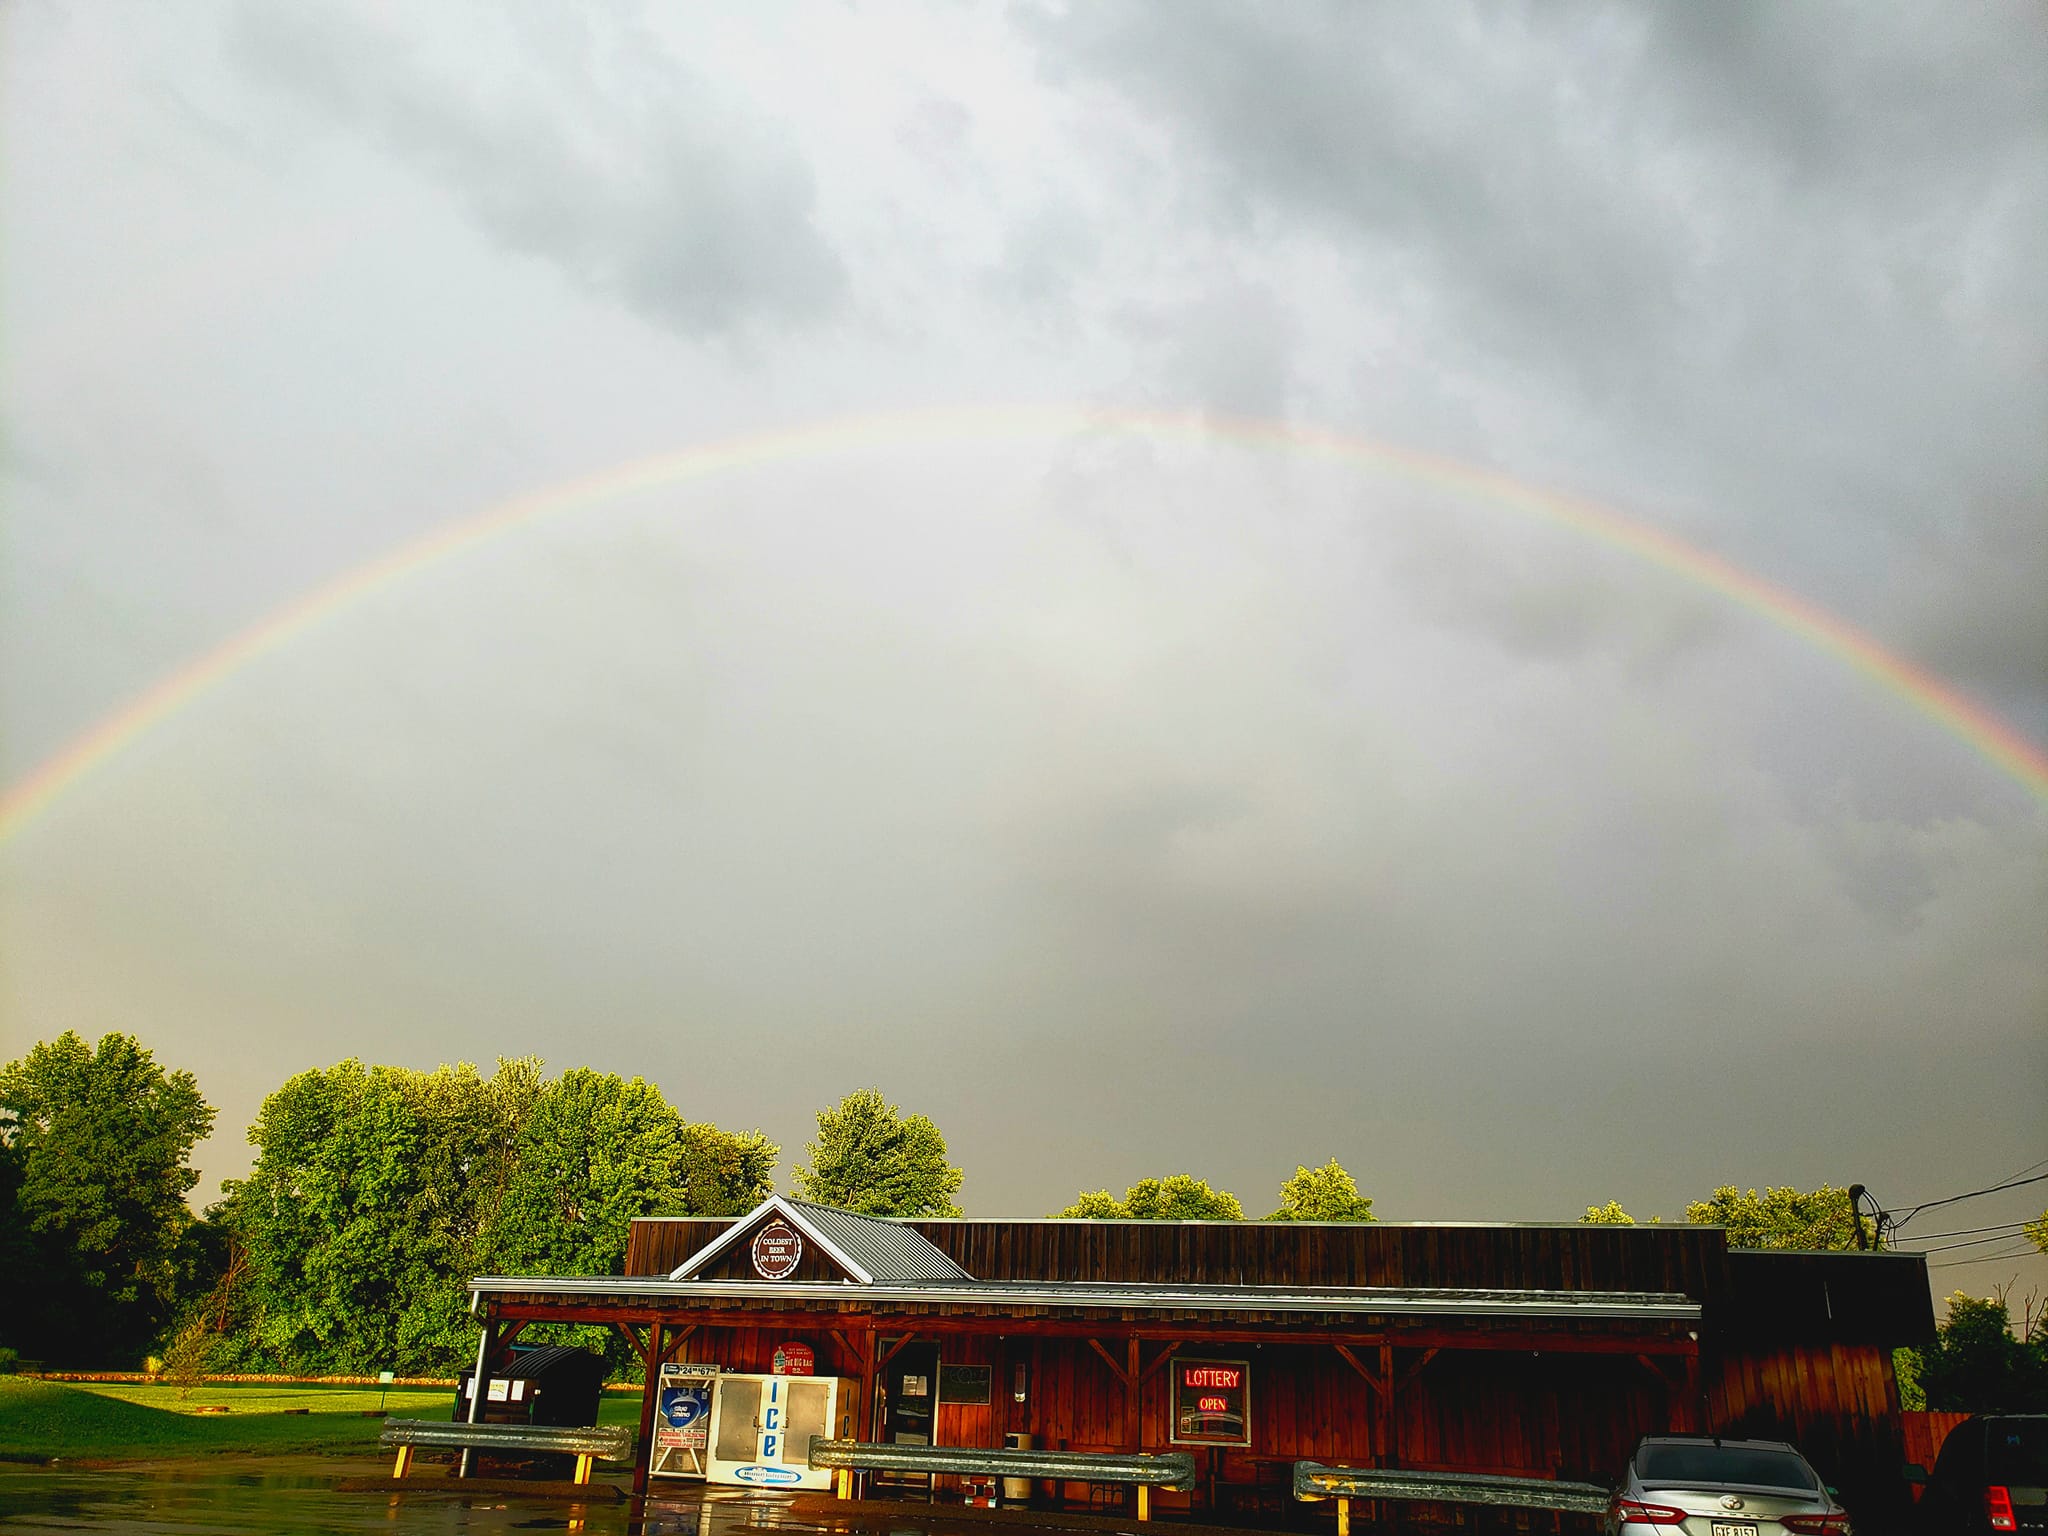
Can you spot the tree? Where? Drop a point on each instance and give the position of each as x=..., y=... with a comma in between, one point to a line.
x=379, y=1191
x=1327, y=1193
x=596, y=1151
x=870, y=1157
x=2037, y=1232
x=726, y=1173
x=1179, y=1197
x=1609, y=1215
x=98, y=1141
x=1976, y=1365
x=1780, y=1218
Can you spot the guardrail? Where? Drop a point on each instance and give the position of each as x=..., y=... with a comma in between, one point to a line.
x=1171, y=1470
x=1313, y=1480
x=611, y=1442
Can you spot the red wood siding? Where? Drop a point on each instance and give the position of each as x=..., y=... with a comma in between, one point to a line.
x=1839, y=1403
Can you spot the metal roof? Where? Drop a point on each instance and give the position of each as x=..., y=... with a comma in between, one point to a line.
x=890, y=1252
x=1640, y=1306
x=872, y=1249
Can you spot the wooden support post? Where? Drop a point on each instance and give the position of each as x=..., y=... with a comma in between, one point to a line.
x=1688, y=1408
x=1134, y=1417
x=1144, y=1501
x=1387, y=1428
x=1343, y=1516
x=651, y=1386
x=399, y=1467
x=869, y=1399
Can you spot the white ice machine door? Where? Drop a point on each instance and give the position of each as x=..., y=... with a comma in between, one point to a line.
x=762, y=1428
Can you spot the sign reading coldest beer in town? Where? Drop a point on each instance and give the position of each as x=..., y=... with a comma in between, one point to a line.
x=1212, y=1402
x=777, y=1248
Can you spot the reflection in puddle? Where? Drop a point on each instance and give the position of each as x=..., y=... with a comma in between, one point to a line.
x=183, y=1499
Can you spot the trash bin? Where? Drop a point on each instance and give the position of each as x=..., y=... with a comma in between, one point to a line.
x=1017, y=1490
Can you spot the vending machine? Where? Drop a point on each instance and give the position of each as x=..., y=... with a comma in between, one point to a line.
x=682, y=1420
x=762, y=1427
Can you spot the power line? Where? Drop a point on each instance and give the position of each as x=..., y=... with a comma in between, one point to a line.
x=2003, y=1226
x=1988, y=1258
x=1975, y=1242
x=1928, y=1205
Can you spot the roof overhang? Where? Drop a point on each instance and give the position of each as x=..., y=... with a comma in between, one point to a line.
x=997, y=1296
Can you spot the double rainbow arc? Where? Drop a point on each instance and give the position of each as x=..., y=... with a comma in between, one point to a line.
x=1927, y=693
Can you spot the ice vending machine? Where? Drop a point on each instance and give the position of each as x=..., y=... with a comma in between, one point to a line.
x=761, y=1428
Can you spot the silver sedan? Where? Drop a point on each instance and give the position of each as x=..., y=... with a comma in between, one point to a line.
x=1697, y=1485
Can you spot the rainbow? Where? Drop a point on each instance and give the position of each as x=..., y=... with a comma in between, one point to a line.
x=1932, y=697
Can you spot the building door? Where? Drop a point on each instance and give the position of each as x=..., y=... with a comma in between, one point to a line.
x=912, y=1387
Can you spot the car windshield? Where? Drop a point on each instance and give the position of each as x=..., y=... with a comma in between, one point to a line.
x=1684, y=1466
x=2016, y=1451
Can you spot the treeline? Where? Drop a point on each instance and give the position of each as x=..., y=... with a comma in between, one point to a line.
x=375, y=1194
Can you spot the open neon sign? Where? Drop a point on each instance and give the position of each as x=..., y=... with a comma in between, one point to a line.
x=1212, y=1403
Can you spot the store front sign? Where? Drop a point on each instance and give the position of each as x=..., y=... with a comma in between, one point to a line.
x=794, y=1360
x=777, y=1250
x=1212, y=1402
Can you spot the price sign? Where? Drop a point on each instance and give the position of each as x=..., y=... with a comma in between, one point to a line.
x=1212, y=1402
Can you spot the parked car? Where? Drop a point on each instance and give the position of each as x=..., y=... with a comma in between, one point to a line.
x=1699, y=1485
x=1991, y=1476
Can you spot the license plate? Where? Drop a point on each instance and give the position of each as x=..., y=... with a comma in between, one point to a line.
x=1733, y=1528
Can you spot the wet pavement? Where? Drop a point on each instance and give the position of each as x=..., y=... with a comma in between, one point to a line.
x=241, y=1498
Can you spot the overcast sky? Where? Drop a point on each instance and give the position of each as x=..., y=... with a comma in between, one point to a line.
x=1131, y=802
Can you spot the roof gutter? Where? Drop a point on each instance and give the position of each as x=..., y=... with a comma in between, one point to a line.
x=1640, y=1307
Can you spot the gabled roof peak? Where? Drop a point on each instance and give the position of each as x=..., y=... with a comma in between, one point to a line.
x=872, y=1250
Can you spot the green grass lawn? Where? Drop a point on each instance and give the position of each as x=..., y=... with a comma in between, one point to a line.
x=104, y=1421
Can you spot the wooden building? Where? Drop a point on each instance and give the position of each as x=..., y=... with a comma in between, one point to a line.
x=1532, y=1350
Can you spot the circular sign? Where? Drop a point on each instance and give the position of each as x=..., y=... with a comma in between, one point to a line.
x=794, y=1360
x=777, y=1248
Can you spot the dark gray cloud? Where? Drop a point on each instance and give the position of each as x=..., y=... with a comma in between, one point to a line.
x=1082, y=787
x=1784, y=258
x=598, y=151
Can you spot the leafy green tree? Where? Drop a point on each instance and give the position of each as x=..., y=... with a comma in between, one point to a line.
x=1780, y=1218
x=378, y=1192
x=1179, y=1197
x=597, y=1150
x=337, y=1218
x=2037, y=1232
x=1609, y=1215
x=1327, y=1193
x=726, y=1173
x=1976, y=1365
x=872, y=1158
x=95, y=1172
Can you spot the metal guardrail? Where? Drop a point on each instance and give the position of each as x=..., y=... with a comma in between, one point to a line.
x=613, y=1442
x=1313, y=1480
x=1172, y=1470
